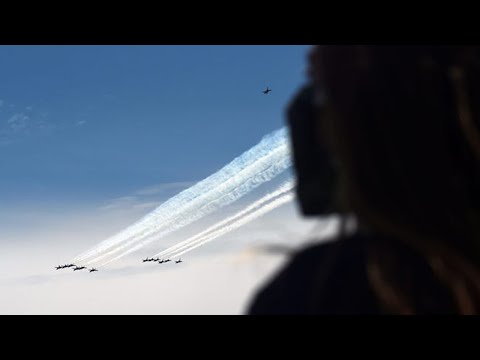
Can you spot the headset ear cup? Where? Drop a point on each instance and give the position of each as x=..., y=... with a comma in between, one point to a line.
x=315, y=175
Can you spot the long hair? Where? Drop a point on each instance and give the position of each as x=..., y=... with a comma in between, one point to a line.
x=404, y=129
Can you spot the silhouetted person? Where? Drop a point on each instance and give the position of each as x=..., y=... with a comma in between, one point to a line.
x=390, y=135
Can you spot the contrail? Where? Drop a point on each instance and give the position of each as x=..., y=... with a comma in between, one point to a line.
x=285, y=187
x=270, y=157
x=188, y=217
x=241, y=222
x=177, y=204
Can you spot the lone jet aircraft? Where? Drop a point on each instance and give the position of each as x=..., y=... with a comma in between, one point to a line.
x=178, y=261
x=93, y=270
x=79, y=268
x=267, y=90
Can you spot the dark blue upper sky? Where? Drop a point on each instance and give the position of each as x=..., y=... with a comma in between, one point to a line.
x=82, y=123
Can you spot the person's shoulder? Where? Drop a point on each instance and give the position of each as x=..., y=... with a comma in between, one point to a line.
x=319, y=278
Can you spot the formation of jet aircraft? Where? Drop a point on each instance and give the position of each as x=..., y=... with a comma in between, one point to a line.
x=61, y=267
x=75, y=267
x=79, y=268
x=162, y=261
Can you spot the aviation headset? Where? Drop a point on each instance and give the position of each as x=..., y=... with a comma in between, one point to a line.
x=314, y=169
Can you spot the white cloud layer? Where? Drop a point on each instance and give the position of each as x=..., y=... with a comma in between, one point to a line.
x=219, y=278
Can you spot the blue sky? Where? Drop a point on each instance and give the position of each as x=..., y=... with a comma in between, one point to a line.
x=92, y=138
x=91, y=123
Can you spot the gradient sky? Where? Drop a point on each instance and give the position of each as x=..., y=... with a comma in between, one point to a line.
x=91, y=123
x=92, y=138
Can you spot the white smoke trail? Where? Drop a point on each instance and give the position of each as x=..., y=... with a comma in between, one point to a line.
x=174, y=205
x=285, y=187
x=188, y=217
x=273, y=148
x=239, y=223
